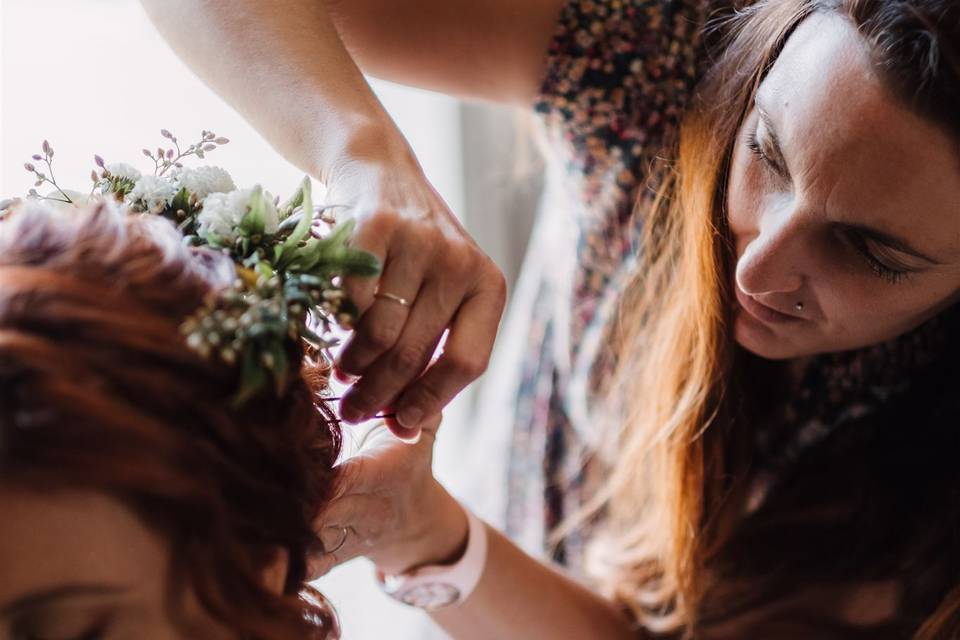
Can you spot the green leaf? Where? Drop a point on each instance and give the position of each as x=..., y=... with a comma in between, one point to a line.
x=215, y=240
x=341, y=234
x=264, y=269
x=355, y=262
x=324, y=259
x=253, y=222
x=181, y=200
x=303, y=226
x=295, y=200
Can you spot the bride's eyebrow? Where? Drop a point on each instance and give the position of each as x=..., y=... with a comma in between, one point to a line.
x=39, y=599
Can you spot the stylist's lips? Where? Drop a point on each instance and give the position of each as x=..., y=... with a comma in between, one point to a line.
x=762, y=312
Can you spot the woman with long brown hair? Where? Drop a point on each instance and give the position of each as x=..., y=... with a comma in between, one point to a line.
x=136, y=500
x=736, y=414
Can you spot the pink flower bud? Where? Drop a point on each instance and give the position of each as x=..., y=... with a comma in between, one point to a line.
x=29, y=167
x=98, y=160
x=222, y=140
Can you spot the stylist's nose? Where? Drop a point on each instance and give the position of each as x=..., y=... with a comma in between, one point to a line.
x=772, y=262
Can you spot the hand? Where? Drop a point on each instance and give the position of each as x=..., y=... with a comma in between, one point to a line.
x=429, y=260
x=389, y=508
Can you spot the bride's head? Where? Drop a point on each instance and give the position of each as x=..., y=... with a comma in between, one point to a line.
x=135, y=501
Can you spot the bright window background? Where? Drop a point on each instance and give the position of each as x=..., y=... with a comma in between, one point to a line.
x=94, y=77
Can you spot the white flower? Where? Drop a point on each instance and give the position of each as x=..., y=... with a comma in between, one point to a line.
x=123, y=170
x=222, y=213
x=203, y=181
x=152, y=193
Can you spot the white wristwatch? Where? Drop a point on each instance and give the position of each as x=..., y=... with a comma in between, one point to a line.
x=438, y=586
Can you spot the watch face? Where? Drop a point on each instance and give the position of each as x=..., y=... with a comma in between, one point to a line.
x=430, y=595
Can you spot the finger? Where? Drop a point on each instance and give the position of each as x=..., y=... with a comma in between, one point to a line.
x=351, y=526
x=372, y=234
x=413, y=436
x=382, y=324
x=465, y=357
x=390, y=374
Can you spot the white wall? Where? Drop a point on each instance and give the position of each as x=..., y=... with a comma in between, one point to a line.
x=93, y=76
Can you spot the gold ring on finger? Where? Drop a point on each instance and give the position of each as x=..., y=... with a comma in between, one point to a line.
x=383, y=295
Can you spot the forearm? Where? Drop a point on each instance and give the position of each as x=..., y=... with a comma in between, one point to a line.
x=288, y=73
x=519, y=597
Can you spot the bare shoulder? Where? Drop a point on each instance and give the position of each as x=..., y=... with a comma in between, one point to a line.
x=487, y=49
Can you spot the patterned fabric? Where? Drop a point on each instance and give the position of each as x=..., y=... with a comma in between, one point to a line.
x=618, y=75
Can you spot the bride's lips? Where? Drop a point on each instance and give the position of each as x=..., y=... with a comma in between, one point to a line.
x=762, y=312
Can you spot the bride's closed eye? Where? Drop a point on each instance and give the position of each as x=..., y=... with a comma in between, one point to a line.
x=62, y=624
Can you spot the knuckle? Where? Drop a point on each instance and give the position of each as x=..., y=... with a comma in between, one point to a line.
x=462, y=256
x=381, y=221
x=426, y=397
x=408, y=359
x=498, y=285
x=471, y=366
x=381, y=335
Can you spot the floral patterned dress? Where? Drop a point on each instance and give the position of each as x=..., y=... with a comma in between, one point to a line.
x=618, y=76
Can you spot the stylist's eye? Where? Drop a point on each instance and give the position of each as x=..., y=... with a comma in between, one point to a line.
x=878, y=259
x=767, y=158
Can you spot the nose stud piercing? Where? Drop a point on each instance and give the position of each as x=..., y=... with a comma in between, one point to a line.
x=798, y=306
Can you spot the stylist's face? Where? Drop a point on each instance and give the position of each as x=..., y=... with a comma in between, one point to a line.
x=844, y=205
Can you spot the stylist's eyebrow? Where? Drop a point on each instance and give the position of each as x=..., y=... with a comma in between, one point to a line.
x=38, y=599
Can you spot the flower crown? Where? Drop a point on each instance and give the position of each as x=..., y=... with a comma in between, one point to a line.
x=290, y=258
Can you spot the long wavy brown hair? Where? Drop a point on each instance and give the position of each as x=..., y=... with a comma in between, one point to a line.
x=99, y=391
x=673, y=505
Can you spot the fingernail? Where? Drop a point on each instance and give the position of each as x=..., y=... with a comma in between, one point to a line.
x=344, y=377
x=410, y=417
x=411, y=437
